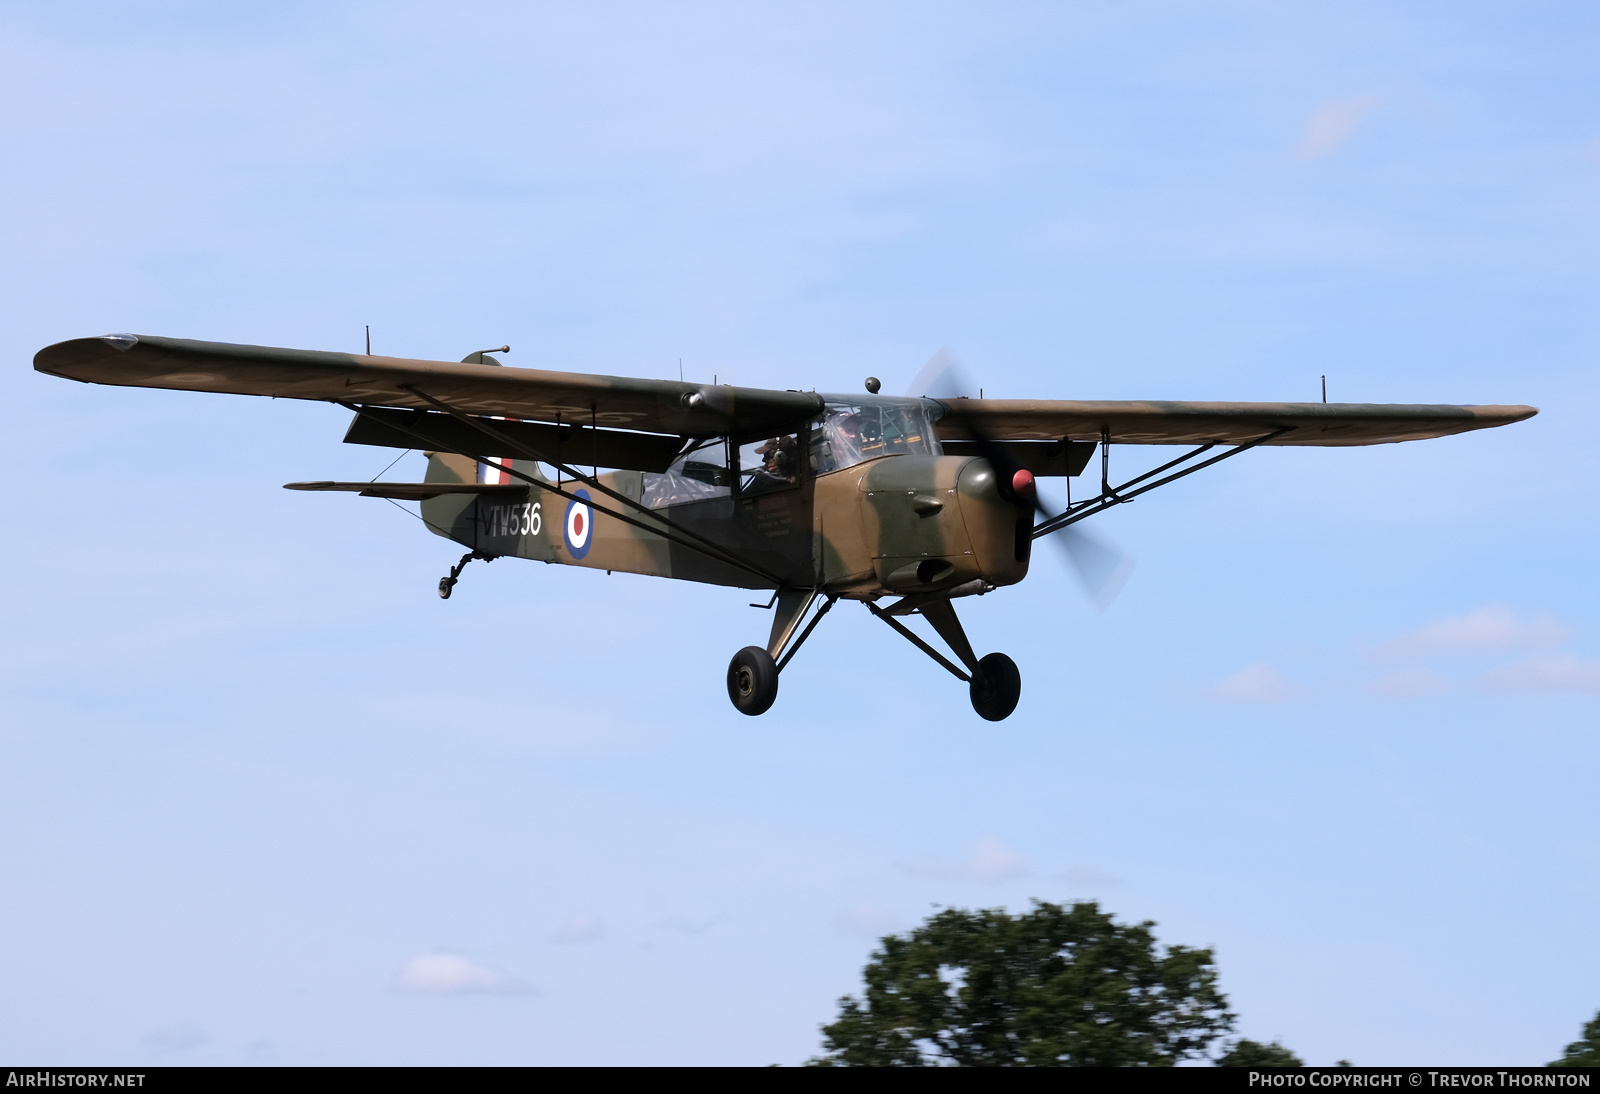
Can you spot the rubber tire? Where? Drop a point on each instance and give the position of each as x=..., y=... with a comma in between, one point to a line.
x=996, y=687
x=445, y=586
x=752, y=681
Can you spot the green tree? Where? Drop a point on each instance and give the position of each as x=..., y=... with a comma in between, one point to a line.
x=1584, y=1053
x=1052, y=987
x=1255, y=1054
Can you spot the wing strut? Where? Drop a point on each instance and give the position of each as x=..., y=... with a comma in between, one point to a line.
x=920, y=644
x=710, y=550
x=707, y=546
x=1110, y=495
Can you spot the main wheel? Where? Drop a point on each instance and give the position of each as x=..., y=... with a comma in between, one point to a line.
x=445, y=585
x=752, y=680
x=996, y=687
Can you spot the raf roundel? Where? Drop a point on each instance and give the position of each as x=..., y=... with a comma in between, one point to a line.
x=578, y=529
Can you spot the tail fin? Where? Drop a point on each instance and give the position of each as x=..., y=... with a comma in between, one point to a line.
x=493, y=473
x=451, y=514
x=450, y=467
x=454, y=515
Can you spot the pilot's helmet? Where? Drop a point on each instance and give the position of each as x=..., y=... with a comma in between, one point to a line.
x=778, y=454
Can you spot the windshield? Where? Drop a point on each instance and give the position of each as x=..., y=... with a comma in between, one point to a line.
x=855, y=430
x=852, y=430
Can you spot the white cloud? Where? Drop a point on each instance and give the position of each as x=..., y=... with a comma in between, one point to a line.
x=1413, y=682
x=995, y=860
x=1564, y=672
x=992, y=859
x=867, y=919
x=1259, y=683
x=1331, y=125
x=1482, y=630
x=583, y=927
x=452, y=974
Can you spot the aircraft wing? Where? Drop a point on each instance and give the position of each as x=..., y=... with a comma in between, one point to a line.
x=675, y=408
x=654, y=406
x=1139, y=422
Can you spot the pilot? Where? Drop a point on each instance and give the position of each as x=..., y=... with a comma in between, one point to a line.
x=848, y=427
x=848, y=424
x=777, y=464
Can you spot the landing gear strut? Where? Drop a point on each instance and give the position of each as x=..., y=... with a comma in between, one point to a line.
x=753, y=672
x=994, y=684
x=448, y=583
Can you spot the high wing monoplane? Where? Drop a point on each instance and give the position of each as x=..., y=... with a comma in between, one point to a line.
x=815, y=498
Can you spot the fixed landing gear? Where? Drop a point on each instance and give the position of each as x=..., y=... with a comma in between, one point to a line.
x=752, y=680
x=448, y=582
x=753, y=672
x=993, y=683
x=995, y=688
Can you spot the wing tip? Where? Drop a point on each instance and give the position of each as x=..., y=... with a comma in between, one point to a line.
x=1491, y=416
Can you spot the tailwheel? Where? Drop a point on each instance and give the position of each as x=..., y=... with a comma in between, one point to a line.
x=753, y=681
x=996, y=687
x=448, y=581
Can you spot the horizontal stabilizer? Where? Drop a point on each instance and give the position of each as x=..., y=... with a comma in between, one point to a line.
x=407, y=491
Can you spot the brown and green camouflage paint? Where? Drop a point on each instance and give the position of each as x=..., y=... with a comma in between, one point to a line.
x=894, y=525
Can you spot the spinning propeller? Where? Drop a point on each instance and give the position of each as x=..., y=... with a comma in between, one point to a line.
x=1101, y=567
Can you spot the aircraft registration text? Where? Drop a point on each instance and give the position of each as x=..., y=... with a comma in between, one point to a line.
x=511, y=520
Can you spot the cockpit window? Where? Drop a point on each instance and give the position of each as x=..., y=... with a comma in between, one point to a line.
x=851, y=431
x=701, y=474
x=854, y=432
x=772, y=463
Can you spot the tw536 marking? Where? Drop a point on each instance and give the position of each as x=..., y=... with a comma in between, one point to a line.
x=511, y=520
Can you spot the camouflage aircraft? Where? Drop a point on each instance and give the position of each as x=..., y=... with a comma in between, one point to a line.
x=815, y=498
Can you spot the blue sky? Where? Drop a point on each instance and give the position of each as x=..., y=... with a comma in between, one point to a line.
x=268, y=799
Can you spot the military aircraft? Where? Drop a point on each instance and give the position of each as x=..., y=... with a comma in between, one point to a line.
x=813, y=497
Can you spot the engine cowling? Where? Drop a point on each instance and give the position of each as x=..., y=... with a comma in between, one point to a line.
x=934, y=522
